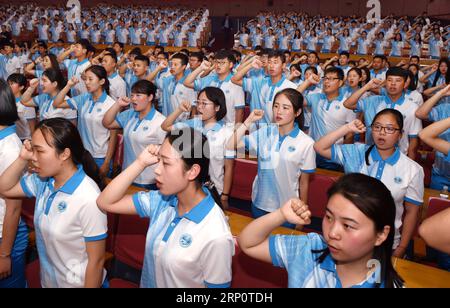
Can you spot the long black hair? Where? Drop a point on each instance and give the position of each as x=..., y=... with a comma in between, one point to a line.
x=8, y=107
x=61, y=134
x=375, y=201
x=438, y=72
x=55, y=75
x=194, y=149
x=216, y=96
x=101, y=73
x=398, y=118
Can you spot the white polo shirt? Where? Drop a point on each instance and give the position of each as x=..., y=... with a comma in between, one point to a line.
x=281, y=162
x=75, y=68
x=65, y=220
x=47, y=111
x=117, y=86
x=405, y=104
x=401, y=175
x=90, y=116
x=10, y=146
x=218, y=137
x=268, y=90
x=327, y=116
x=25, y=114
x=234, y=95
x=173, y=94
x=191, y=251
x=138, y=134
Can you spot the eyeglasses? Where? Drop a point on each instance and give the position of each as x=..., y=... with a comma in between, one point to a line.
x=329, y=79
x=387, y=129
x=203, y=104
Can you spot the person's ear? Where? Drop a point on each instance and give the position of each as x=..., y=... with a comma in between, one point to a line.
x=193, y=172
x=382, y=236
x=66, y=154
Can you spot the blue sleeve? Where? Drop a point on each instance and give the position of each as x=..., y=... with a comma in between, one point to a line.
x=146, y=203
x=77, y=101
x=30, y=184
x=123, y=117
x=350, y=156
x=39, y=100
x=295, y=252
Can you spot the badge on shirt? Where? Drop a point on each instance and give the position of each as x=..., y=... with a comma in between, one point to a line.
x=62, y=207
x=291, y=149
x=99, y=110
x=185, y=240
x=145, y=128
x=398, y=180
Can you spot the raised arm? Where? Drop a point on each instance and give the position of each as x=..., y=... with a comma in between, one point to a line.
x=235, y=141
x=59, y=101
x=109, y=119
x=66, y=53
x=190, y=79
x=430, y=135
x=239, y=76
x=324, y=145
x=352, y=101
x=254, y=239
x=167, y=125
x=114, y=198
x=423, y=111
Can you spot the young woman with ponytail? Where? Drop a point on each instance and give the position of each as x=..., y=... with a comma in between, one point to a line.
x=70, y=229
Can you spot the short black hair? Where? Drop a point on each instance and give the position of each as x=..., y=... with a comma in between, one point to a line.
x=182, y=57
x=397, y=71
x=143, y=59
x=8, y=108
x=344, y=53
x=144, y=87
x=277, y=54
x=335, y=70
x=20, y=79
x=113, y=56
x=198, y=55
x=225, y=54
x=121, y=45
x=85, y=44
x=136, y=51
x=414, y=57
x=216, y=96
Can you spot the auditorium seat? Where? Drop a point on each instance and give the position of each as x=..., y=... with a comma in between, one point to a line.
x=118, y=155
x=436, y=205
x=244, y=174
x=251, y=273
x=28, y=206
x=317, y=194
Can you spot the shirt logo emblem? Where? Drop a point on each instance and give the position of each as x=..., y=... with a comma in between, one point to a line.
x=145, y=128
x=227, y=91
x=398, y=180
x=62, y=207
x=99, y=110
x=180, y=93
x=185, y=240
x=338, y=107
x=291, y=149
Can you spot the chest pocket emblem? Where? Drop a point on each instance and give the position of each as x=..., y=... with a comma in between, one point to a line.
x=291, y=149
x=227, y=91
x=62, y=207
x=398, y=180
x=180, y=93
x=99, y=110
x=185, y=240
x=145, y=128
x=338, y=107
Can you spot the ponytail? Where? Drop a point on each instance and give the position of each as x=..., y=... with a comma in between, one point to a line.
x=66, y=136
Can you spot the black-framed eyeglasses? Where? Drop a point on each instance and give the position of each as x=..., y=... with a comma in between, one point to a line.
x=387, y=129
